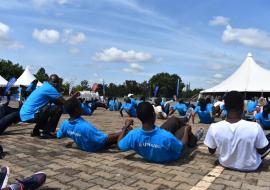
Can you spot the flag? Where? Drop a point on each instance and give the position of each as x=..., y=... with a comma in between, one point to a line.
x=103, y=88
x=177, y=87
x=94, y=87
x=156, y=90
x=10, y=84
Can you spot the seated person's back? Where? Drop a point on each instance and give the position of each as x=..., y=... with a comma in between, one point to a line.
x=181, y=108
x=251, y=106
x=263, y=118
x=240, y=144
x=204, y=115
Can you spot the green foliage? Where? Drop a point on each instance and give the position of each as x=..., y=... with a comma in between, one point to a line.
x=65, y=88
x=9, y=69
x=41, y=75
x=167, y=84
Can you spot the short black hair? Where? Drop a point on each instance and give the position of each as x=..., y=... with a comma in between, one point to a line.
x=142, y=98
x=208, y=100
x=202, y=104
x=71, y=105
x=145, y=112
x=127, y=100
x=234, y=101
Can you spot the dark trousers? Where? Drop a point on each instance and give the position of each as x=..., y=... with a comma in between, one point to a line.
x=176, y=126
x=95, y=105
x=8, y=116
x=166, y=109
x=47, y=118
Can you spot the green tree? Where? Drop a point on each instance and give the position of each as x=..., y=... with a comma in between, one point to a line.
x=9, y=69
x=167, y=84
x=41, y=75
x=85, y=85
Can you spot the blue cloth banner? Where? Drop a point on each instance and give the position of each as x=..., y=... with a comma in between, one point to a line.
x=156, y=90
x=10, y=84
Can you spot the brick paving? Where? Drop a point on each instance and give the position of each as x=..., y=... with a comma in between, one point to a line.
x=70, y=168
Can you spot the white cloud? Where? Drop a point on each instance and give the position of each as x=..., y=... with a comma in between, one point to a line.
x=117, y=55
x=47, y=36
x=250, y=37
x=5, y=40
x=134, y=68
x=44, y=3
x=95, y=75
x=218, y=76
x=74, y=51
x=73, y=38
x=219, y=20
x=214, y=66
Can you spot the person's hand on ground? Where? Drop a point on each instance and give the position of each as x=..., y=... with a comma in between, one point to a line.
x=188, y=128
x=129, y=122
x=69, y=145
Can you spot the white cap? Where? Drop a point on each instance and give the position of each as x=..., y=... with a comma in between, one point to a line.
x=129, y=95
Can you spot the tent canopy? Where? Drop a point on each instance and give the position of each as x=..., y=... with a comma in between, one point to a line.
x=249, y=77
x=3, y=82
x=26, y=78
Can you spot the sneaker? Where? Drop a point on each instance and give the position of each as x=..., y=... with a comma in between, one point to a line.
x=35, y=133
x=47, y=136
x=199, y=133
x=30, y=183
x=4, y=173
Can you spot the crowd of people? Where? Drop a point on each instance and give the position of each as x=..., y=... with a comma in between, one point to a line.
x=239, y=141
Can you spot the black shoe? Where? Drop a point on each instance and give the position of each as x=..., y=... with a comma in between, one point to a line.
x=35, y=133
x=47, y=136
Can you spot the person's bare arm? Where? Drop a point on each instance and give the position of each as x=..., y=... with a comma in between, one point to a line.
x=61, y=100
x=193, y=118
x=125, y=129
x=171, y=111
x=121, y=112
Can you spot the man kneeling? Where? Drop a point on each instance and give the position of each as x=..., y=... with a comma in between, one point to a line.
x=84, y=134
x=158, y=144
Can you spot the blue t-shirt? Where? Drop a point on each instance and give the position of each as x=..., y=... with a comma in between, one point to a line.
x=133, y=101
x=140, y=101
x=251, y=106
x=129, y=108
x=209, y=107
x=204, y=116
x=85, y=135
x=158, y=145
x=31, y=87
x=181, y=108
x=38, y=99
x=265, y=122
x=113, y=105
x=86, y=109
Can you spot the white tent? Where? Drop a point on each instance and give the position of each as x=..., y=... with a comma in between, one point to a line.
x=3, y=82
x=249, y=77
x=26, y=78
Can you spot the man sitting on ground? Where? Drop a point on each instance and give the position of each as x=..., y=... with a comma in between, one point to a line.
x=158, y=144
x=129, y=108
x=84, y=134
x=241, y=144
x=181, y=107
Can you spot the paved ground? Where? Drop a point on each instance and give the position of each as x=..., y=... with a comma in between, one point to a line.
x=70, y=168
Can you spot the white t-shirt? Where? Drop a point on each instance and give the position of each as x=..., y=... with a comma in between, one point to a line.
x=159, y=112
x=218, y=103
x=236, y=143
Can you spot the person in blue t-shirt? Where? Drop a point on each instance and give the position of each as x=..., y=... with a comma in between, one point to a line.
x=31, y=87
x=114, y=104
x=90, y=106
x=181, y=107
x=251, y=105
x=157, y=144
x=84, y=134
x=38, y=108
x=205, y=115
x=128, y=108
x=133, y=100
x=142, y=99
x=263, y=118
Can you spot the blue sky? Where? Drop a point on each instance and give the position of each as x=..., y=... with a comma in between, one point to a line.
x=201, y=41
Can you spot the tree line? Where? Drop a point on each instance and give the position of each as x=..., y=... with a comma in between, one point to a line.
x=167, y=83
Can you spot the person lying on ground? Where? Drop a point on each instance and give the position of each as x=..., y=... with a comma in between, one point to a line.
x=30, y=183
x=158, y=144
x=240, y=144
x=84, y=134
x=128, y=108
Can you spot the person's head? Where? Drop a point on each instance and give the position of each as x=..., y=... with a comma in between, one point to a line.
x=234, y=101
x=266, y=111
x=202, y=104
x=127, y=100
x=219, y=98
x=35, y=82
x=157, y=101
x=146, y=113
x=208, y=100
x=131, y=95
x=181, y=101
x=262, y=101
x=54, y=80
x=142, y=98
x=73, y=107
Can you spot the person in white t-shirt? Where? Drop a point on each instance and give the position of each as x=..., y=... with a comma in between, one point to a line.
x=241, y=144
